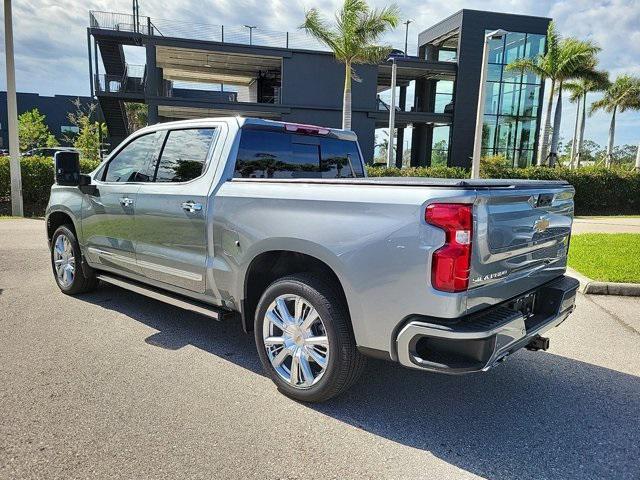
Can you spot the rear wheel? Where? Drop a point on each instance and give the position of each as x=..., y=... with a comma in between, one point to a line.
x=304, y=339
x=66, y=263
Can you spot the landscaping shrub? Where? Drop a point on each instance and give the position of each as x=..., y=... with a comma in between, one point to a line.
x=599, y=190
x=37, y=178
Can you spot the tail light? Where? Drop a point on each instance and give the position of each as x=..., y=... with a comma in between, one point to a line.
x=451, y=263
x=306, y=129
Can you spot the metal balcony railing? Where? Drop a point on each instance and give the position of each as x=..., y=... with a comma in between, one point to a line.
x=132, y=81
x=124, y=22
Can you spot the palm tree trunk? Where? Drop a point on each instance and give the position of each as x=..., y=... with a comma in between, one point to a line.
x=638, y=159
x=574, y=142
x=346, y=99
x=612, y=133
x=546, y=128
x=555, y=137
x=583, y=121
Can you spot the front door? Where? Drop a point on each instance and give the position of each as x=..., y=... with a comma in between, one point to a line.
x=171, y=211
x=108, y=223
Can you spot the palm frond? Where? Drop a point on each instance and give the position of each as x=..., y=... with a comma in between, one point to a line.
x=318, y=28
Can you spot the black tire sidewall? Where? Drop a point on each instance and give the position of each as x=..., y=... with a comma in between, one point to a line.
x=319, y=300
x=76, y=285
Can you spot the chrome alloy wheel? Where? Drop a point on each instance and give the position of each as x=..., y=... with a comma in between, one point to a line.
x=296, y=341
x=64, y=261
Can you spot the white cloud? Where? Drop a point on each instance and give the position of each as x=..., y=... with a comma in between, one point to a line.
x=51, y=48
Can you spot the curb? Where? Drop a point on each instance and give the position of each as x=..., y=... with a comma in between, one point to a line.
x=591, y=287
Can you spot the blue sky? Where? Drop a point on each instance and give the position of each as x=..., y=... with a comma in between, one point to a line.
x=51, y=49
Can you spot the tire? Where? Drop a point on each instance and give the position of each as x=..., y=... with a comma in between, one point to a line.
x=305, y=339
x=65, y=250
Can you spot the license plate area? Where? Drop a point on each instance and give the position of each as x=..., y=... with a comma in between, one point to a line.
x=525, y=304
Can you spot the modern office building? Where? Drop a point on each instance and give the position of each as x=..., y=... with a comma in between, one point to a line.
x=56, y=110
x=207, y=70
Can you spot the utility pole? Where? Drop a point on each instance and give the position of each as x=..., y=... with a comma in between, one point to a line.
x=392, y=114
x=12, y=116
x=477, y=143
x=638, y=158
x=406, y=36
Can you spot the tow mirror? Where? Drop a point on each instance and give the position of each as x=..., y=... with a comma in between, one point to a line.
x=67, y=168
x=68, y=172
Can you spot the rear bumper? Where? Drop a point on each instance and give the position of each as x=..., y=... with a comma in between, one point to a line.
x=480, y=341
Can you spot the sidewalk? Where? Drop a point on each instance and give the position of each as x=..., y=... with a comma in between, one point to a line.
x=606, y=225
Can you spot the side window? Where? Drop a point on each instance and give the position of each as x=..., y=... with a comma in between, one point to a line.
x=131, y=164
x=184, y=155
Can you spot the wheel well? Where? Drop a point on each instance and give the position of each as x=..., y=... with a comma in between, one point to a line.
x=57, y=219
x=269, y=266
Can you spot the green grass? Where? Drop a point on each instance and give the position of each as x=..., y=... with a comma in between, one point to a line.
x=608, y=257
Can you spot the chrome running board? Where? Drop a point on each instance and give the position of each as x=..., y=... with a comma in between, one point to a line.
x=167, y=297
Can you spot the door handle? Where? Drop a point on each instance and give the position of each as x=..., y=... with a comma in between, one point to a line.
x=191, y=207
x=126, y=202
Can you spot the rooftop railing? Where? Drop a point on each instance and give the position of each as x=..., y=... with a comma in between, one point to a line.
x=123, y=22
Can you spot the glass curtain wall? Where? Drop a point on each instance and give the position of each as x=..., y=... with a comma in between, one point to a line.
x=512, y=100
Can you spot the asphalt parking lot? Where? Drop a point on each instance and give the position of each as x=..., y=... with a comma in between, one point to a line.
x=115, y=385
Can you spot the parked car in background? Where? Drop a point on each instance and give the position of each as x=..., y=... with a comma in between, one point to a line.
x=4, y=152
x=48, y=151
x=277, y=224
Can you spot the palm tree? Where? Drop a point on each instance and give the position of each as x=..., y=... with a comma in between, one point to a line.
x=623, y=94
x=565, y=59
x=353, y=39
x=579, y=90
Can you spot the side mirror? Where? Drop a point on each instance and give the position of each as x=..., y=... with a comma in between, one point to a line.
x=67, y=168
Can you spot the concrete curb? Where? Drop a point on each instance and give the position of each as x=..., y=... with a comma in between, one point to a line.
x=591, y=287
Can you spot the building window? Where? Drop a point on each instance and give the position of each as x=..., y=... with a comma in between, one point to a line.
x=512, y=100
x=440, y=146
x=444, y=95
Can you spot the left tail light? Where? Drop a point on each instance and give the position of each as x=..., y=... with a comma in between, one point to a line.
x=451, y=263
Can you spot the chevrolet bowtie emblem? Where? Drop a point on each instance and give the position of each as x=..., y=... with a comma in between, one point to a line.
x=541, y=225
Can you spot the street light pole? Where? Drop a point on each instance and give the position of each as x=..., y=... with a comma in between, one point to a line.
x=12, y=116
x=406, y=36
x=251, y=27
x=392, y=114
x=477, y=143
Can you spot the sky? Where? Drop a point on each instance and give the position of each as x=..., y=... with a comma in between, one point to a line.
x=51, y=47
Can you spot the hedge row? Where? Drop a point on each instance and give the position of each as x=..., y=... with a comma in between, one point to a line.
x=37, y=178
x=599, y=191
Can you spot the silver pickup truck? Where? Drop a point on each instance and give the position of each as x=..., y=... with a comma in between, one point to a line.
x=277, y=225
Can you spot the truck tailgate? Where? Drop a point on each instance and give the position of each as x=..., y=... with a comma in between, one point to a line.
x=521, y=238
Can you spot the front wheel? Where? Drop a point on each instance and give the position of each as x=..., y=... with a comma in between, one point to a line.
x=66, y=263
x=304, y=339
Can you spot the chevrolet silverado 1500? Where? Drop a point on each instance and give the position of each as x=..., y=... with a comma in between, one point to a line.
x=277, y=224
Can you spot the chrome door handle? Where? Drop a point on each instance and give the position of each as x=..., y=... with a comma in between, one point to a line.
x=126, y=202
x=191, y=207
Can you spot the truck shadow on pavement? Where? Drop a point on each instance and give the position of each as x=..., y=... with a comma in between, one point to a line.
x=539, y=415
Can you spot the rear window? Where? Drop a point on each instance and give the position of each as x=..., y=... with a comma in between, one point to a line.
x=273, y=154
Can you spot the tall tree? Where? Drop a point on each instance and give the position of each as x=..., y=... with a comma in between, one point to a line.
x=565, y=59
x=33, y=132
x=353, y=39
x=137, y=115
x=579, y=90
x=623, y=94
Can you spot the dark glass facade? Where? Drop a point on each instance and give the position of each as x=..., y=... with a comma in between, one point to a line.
x=512, y=99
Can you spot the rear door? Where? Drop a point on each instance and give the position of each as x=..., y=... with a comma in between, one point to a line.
x=108, y=222
x=171, y=227
x=520, y=241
